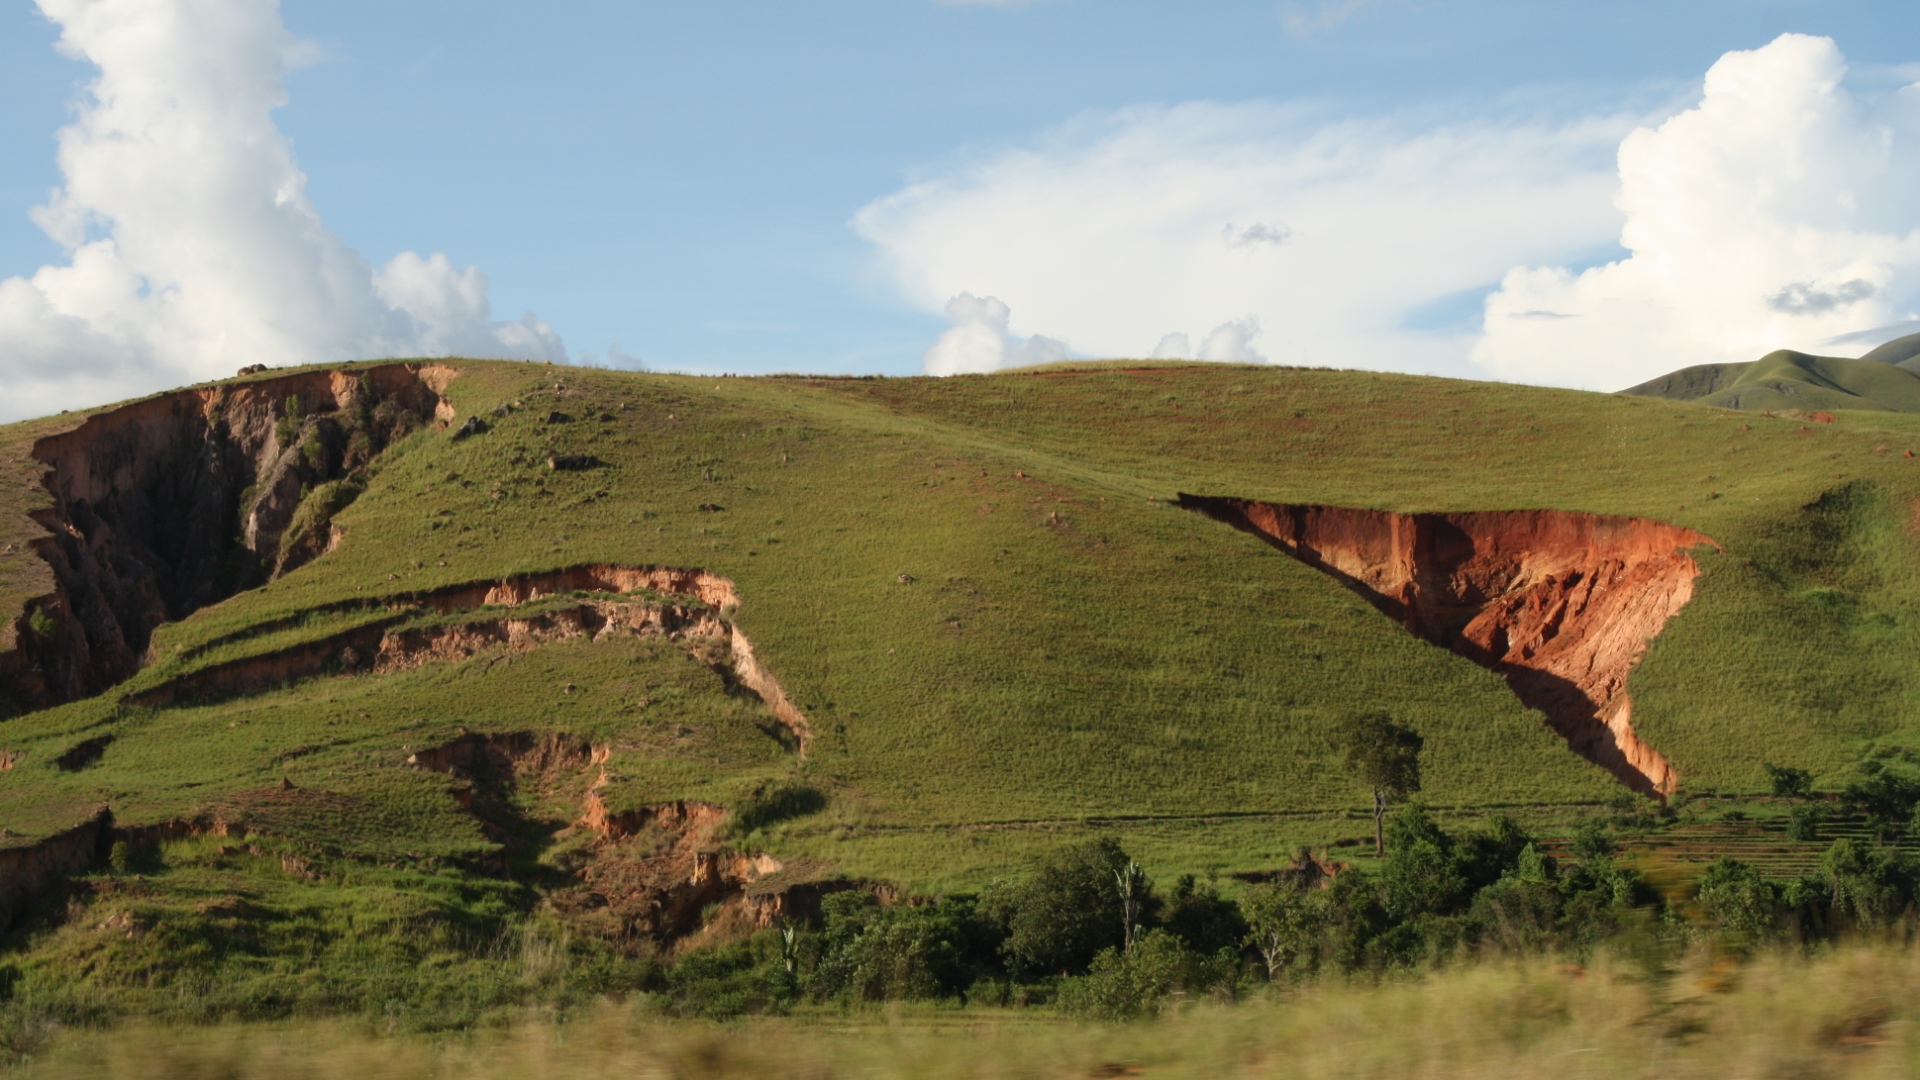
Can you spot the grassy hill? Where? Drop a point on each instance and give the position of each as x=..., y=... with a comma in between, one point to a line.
x=990, y=627
x=1888, y=378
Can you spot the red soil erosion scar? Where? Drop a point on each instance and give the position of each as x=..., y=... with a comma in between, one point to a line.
x=169, y=504
x=1560, y=604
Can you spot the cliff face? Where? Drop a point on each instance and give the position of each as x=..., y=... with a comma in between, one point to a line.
x=176, y=502
x=1561, y=604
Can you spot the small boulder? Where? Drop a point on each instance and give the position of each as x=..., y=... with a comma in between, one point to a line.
x=473, y=426
x=711, y=508
x=251, y=369
x=573, y=462
x=558, y=417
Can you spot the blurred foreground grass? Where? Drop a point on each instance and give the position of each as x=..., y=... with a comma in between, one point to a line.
x=1843, y=1013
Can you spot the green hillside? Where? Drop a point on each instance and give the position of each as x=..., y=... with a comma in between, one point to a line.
x=1884, y=379
x=991, y=625
x=1903, y=352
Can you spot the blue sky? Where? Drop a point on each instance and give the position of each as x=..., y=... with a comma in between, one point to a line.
x=683, y=179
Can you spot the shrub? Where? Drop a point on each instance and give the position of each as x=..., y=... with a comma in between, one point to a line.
x=1738, y=899
x=1803, y=822
x=1201, y=918
x=1873, y=885
x=1139, y=982
x=1063, y=916
x=879, y=953
x=1789, y=783
x=1287, y=925
x=1887, y=798
x=1591, y=844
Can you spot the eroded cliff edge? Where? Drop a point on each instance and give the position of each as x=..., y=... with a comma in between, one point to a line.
x=169, y=504
x=1561, y=604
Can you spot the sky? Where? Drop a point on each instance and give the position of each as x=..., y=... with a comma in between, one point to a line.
x=1567, y=194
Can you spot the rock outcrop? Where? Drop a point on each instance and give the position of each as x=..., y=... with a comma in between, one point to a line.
x=169, y=504
x=1560, y=604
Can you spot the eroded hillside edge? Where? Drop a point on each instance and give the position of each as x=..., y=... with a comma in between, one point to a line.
x=169, y=504
x=1561, y=604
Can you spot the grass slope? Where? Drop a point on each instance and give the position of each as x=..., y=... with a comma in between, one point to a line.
x=1069, y=649
x=1785, y=379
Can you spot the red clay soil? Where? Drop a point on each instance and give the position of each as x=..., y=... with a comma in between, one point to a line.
x=147, y=504
x=703, y=622
x=1560, y=604
x=662, y=873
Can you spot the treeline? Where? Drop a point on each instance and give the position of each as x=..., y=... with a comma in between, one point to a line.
x=1089, y=931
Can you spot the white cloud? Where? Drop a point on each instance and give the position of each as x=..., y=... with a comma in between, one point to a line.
x=1121, y=231
x=193, y=248
x=1781, y=211
x=1230, y=342
x=981, y=339
x=1174, y=346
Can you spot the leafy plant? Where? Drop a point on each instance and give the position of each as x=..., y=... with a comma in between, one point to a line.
x=1385, y=757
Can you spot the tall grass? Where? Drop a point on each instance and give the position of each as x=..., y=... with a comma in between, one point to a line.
x=1844, y=1013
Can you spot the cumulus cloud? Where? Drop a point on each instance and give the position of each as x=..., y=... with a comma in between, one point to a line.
x=192, y=246
x=981, y=339
x=1123, y=233
x=1230, y=342
x=1780, y=211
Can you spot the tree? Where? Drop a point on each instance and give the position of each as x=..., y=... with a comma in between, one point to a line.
x=1069, y=910
x=1872, y=884
x=1386, y=758
x=1738, y=899
x=1789, y=782
x=1885, y=797
x=1131, y=883
x=1286, y=924
x=1208, y=922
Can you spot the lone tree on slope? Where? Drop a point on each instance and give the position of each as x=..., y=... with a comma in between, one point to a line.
x=1386, y=757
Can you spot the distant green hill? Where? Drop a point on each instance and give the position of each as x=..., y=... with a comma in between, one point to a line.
x=1886, y=379
x=1904, y=352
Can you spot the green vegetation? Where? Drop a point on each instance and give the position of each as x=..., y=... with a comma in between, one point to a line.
x=1003, y=639
x=1385, y=758
x=1887, y=378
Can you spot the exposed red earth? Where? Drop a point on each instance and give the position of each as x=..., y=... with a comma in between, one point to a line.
x=1561, y=604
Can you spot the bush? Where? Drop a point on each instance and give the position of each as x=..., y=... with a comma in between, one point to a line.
x=876, y=953
x=1062, y=917
x=1887, y=798
x=1125, y=985
x=1288, y=926
x=1203, y=920
x=1803, y=823
x=1789, y=783
x=1738, y=899
x=1872, y=885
